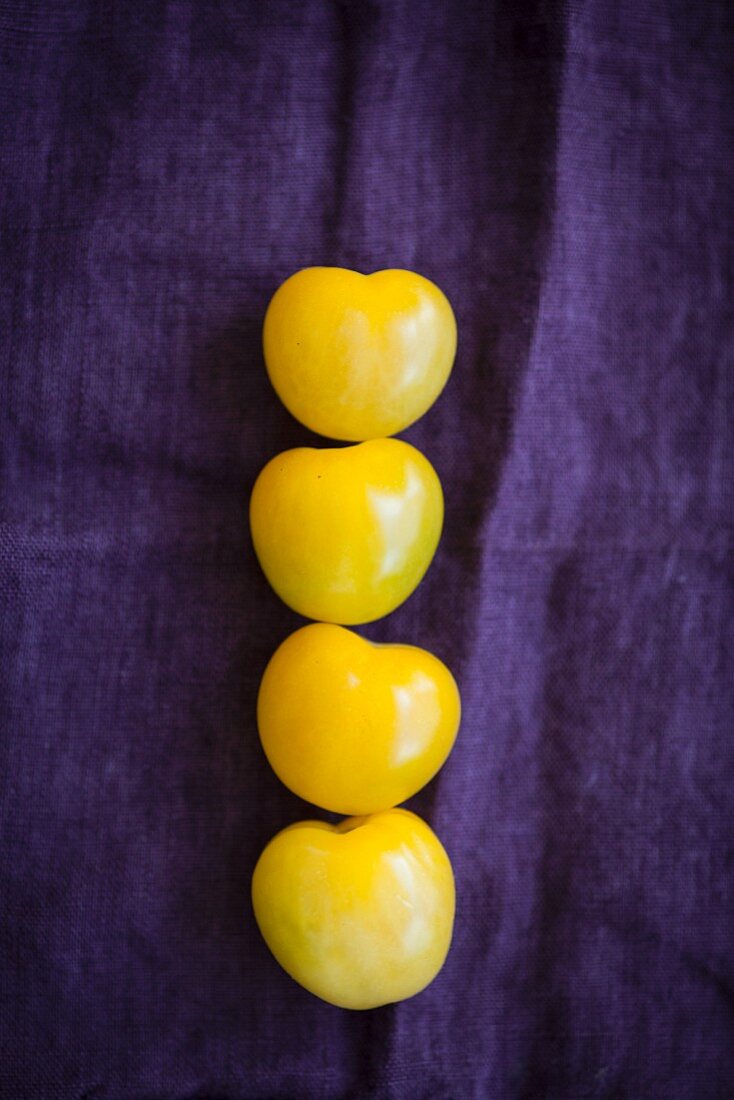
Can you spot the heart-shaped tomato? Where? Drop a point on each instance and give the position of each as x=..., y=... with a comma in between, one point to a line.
x=345, y=534
x=359, y=913
x=352, y=726
x=358, y=356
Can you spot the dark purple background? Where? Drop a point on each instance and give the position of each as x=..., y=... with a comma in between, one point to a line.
x=562, y=171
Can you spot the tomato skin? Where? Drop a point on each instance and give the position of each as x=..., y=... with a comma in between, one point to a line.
x=361, y=913
x=357, y=357
x=345, y=534
x=352, y=726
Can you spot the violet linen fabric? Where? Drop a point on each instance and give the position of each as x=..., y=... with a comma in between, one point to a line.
x=563, y=172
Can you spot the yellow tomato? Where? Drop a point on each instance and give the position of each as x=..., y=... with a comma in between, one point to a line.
x=359, y=913
x=358, y=356
x=352, y=726
x=345, y=534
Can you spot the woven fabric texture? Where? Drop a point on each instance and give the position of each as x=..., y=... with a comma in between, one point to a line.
x=563, y=172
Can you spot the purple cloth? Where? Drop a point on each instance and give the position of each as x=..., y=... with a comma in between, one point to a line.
x=563, y=173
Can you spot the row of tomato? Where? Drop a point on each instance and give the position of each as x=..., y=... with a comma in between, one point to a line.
x=359, y=913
